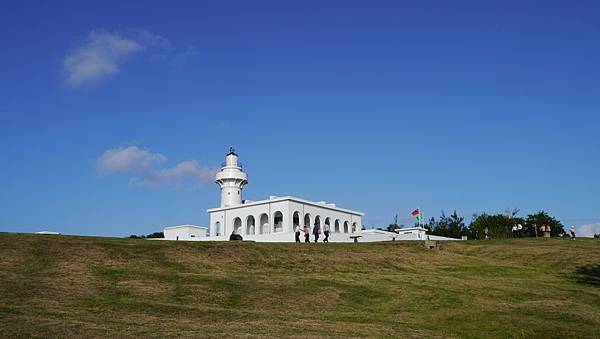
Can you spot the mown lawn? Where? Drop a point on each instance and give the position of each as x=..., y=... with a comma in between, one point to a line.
x=57, y=286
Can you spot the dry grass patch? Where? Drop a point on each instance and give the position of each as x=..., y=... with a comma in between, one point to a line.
x=78, y=286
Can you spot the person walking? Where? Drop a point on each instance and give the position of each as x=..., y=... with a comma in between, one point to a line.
x=572, y=231
x=514, y=231
x=297, y=233
x=316, y=232
x=486, y=232
x=326, y=230
x=519, y=230
x=306, y=234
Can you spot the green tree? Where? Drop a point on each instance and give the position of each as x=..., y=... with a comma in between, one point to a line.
x=394, y=226
x=456, y=226
x=156, y=235
x=452, y=226
x=499, y=225
x=543, y=218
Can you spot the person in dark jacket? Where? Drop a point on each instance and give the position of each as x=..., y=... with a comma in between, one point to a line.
x=234, y=236
x=316, y=232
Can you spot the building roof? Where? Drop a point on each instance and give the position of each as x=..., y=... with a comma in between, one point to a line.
x=185, y=226
x=290, y=198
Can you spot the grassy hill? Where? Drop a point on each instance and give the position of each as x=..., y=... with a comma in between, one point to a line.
x=82, y=286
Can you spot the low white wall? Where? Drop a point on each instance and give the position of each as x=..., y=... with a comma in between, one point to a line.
x=185, y=232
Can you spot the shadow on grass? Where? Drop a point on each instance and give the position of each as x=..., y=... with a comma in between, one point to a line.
x=589, y=275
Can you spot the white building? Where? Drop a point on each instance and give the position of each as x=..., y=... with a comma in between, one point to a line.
x=274, y=219
x=412, y=233
x=185, y=232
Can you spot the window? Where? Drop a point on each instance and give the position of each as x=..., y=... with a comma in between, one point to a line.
x=250, y=225
x=264, y=224
x=237, y=225
x=296, y=219
x=278, y=221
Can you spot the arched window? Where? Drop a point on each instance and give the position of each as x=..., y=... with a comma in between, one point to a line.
x=278, y=221
x=307, y=220
x=345, y=227
x=264, y=223
x=250, y=225
x=237, y=226
x=353, y=227
x=296, y=219
x=218, y=228
x=337, y=226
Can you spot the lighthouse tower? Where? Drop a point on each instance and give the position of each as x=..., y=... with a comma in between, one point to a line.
x=232, y=180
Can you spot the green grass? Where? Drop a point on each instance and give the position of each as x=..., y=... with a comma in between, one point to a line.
x=58, y=286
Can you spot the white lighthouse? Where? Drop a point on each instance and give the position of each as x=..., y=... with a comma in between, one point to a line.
x=272, y=220
x=232, y=180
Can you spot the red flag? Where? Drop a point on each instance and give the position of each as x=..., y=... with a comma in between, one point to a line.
x=415, y=212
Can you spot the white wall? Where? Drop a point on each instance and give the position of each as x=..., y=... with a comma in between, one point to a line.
x=227, y=217
x=185, y=232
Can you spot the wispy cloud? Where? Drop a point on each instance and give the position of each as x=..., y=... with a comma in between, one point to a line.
x=188, y=174
x=588, y=230
x=103, y=52
x=127, y=159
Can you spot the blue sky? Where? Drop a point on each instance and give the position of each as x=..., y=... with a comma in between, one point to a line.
x=113, y=116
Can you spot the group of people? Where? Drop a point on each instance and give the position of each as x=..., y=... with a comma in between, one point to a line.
x=517, y=231
x=316, y=232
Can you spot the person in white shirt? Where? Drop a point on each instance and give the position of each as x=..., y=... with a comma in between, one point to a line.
x=572, y=231
x=326, y=230
x=297, y=233
x=514, y=230
x=519, y=229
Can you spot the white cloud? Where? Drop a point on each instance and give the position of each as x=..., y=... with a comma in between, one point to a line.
x=187, y=174
x=102, y=54
x=588, y=230
x=152, y=40
x=126, y=159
